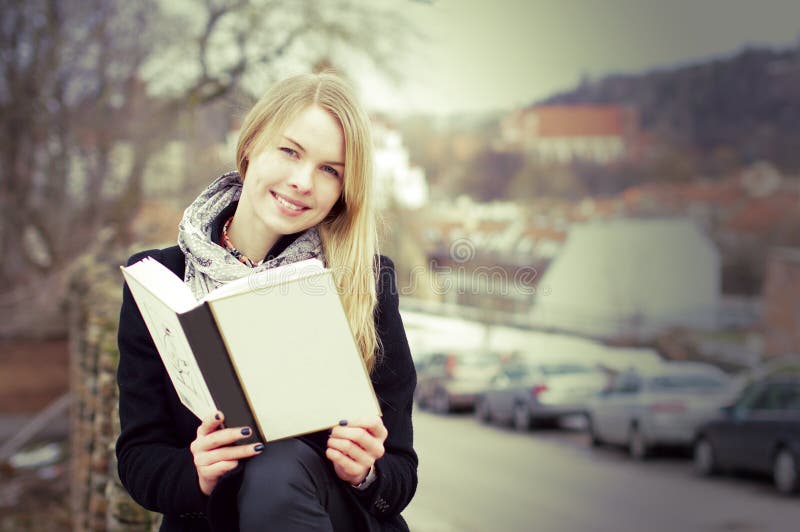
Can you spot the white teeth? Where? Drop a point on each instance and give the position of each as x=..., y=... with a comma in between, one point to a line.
x=288, y=205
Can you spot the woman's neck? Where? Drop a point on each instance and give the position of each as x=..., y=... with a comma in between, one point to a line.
x=250, y=236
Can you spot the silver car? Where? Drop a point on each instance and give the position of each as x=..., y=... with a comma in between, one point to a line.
x=661, y=405
x=526, y=393
x=449, y=381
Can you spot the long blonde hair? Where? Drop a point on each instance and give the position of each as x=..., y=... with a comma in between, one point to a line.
x=348, y=233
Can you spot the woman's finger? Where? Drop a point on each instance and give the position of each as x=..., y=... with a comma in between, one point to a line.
x=373, y=425
x=220, y=438
x=210, y=423
x=352, y=450
x=231, y=452
x=361, y=436
x=346, y=468
x=217, y=469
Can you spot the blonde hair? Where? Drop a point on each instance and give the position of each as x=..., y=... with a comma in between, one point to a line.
x=348, y=233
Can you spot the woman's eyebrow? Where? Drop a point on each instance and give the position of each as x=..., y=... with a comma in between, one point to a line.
x=295, y=143
x=331, y=163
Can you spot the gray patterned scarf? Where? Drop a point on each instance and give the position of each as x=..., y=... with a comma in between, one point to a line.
x=209, y=265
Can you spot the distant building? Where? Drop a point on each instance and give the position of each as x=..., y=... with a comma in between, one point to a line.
x=489, y=255
x=630, y=279
x=781, y=304
x=761, y=179
x=565, y=133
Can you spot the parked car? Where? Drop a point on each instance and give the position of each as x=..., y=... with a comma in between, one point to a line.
x=528, y=392
x=449, y=381
x=759, y=433
x=659, y=405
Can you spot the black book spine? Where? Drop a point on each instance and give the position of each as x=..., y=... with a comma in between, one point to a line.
x=215, y=365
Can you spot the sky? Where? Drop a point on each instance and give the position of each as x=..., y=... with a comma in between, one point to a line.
x=482, y=55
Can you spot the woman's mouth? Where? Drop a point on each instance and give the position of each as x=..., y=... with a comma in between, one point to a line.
x=289, y=207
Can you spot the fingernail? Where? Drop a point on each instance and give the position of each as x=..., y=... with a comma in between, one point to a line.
x=342, y=423
x=246, y=431
x=258, y=448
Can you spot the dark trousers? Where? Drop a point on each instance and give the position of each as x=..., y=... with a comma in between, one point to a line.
x=291, y=488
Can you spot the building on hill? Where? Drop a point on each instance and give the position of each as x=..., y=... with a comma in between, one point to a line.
x=567, y=133
x=630, y=279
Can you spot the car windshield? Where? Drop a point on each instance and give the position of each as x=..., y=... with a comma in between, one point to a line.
x=688, y=382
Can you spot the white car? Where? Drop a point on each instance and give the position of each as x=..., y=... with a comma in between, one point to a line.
x=527, y=393
x=662, y=405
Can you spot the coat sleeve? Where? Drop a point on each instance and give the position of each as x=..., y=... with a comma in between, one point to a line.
x=155, y=467
x=394, y=379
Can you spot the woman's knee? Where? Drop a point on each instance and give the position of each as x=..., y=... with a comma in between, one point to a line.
x=281, y=484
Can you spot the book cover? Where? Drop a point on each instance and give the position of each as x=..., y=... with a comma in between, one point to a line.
x=273, y=350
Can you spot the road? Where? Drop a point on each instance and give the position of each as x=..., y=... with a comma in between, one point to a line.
x=475, y=478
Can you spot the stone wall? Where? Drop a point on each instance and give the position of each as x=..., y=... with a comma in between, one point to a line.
x=98, y=500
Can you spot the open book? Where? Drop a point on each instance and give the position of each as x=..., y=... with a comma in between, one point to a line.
x=272, y=351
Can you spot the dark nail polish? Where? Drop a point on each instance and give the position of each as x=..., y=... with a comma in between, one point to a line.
x=342, y=423
x=246, y=431
x=258, y=448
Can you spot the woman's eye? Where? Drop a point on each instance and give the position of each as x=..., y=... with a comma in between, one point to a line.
x=289, y=151
x=331, y=170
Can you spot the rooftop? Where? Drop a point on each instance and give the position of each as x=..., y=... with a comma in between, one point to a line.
x=581, y=120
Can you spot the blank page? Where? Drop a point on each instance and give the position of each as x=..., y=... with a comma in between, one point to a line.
x=295, y=355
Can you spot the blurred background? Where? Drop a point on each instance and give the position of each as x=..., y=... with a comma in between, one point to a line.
x=594, y=209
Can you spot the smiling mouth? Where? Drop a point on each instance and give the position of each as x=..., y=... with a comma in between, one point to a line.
x=289, y=204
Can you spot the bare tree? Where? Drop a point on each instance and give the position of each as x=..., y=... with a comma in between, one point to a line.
x=91, y=89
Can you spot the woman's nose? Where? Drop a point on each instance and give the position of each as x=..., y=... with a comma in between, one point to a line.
x=302, y=178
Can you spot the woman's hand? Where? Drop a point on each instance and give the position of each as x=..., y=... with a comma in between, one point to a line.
x=355, y=446
x=214, y=452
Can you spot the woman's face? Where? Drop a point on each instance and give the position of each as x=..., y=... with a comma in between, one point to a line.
x=293, y=186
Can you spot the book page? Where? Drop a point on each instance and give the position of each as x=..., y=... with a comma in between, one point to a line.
x=160, y=280
x=295, y=356
x=263, y=280
x=170, y=340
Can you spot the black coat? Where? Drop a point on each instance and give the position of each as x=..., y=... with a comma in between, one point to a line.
x=156, y=466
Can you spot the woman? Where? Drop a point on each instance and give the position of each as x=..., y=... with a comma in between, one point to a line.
x=304, y=154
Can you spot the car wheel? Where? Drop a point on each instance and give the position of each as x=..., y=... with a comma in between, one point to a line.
x=441, y=402
x=521, y=418
x=482, y=412
x=784, y=472
x=593, y=436
x=705, y=463
x=638, y=447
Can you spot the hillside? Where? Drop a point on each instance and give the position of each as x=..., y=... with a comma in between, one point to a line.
x=745, y=105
